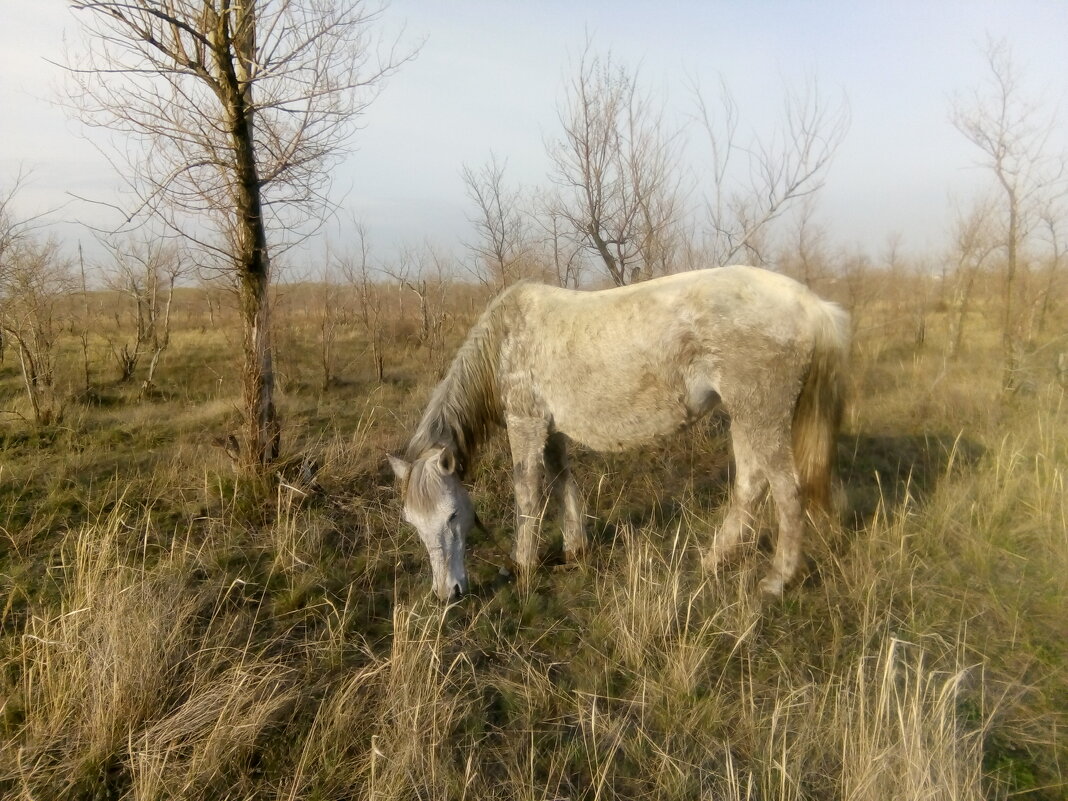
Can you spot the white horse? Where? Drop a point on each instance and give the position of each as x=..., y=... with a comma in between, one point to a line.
x=614, y=368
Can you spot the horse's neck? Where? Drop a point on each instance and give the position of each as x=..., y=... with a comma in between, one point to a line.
x=466, y=404
x=438, y=426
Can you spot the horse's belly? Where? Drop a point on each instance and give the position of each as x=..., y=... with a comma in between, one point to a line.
x=605, y=425
x=616, y=400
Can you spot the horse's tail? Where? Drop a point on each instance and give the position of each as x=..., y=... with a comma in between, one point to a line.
x=818, y=413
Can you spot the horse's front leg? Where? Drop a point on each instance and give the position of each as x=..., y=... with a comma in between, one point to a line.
x=566, y=494
x=527, y=437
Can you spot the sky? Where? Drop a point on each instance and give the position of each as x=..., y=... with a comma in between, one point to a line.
x=489, y=76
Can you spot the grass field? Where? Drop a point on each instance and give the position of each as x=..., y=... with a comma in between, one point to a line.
x=167, y=632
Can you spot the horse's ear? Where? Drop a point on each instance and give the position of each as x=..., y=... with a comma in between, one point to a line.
x=447, y=462
x=400, y=467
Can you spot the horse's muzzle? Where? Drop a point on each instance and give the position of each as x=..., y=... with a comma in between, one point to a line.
x=454, y=593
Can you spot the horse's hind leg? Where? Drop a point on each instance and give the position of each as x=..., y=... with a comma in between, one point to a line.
x=527, y=439
x=749, y=487
x=787, y=495
x=565, y=493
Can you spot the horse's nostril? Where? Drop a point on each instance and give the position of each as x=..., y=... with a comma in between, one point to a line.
x=457, y=591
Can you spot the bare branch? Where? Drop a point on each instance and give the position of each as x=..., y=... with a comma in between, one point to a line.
x=616, y=171
x=776, y=172
x=499, y=223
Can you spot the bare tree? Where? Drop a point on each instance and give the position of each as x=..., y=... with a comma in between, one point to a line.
x=919, y=273
x=356, y=269
x=616, y=170
x=1052, y=224
x=13, y=229
x=755, y=182
x=165, y=278
x=907, y=286
x=84, y=324
x=1013, y=134
x=855, y=273
x=241, y=107
x=974, y=242
x=502, y=242
x=805, y=255
x=330, y=313
x=332, y=317
x=34, y=281
x=17, y=250
x=424, y=275
x=556, y=244
x=145, y=272
x=911, y=282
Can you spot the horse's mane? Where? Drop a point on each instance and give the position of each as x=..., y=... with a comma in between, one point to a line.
x=467, y=402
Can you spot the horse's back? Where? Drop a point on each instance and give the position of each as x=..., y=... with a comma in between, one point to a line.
x=732, y=298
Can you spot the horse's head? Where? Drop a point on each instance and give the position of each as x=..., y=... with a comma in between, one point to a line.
x=440, y=509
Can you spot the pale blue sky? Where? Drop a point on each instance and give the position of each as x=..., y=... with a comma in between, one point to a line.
x=489, y=76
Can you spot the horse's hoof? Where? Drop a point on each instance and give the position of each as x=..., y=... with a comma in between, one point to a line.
x=771, y=587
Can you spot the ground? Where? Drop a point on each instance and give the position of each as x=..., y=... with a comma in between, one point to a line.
x=171, y=631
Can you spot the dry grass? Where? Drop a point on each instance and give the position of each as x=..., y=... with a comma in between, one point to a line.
x=163, y=636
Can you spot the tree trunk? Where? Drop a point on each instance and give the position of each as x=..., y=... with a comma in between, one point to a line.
x=84, y=333
x=619, y=278
x=261, y=440
x=160, y=342
x=252, y=260
x=1009, y=333
x=1010, y=337
x=958, y=311
x=380, y=367
x=29, y=377
x=261, y=431
x=1051, y=280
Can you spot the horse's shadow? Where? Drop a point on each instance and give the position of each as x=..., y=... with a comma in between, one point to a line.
x=887, y=470
x=874, y=470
